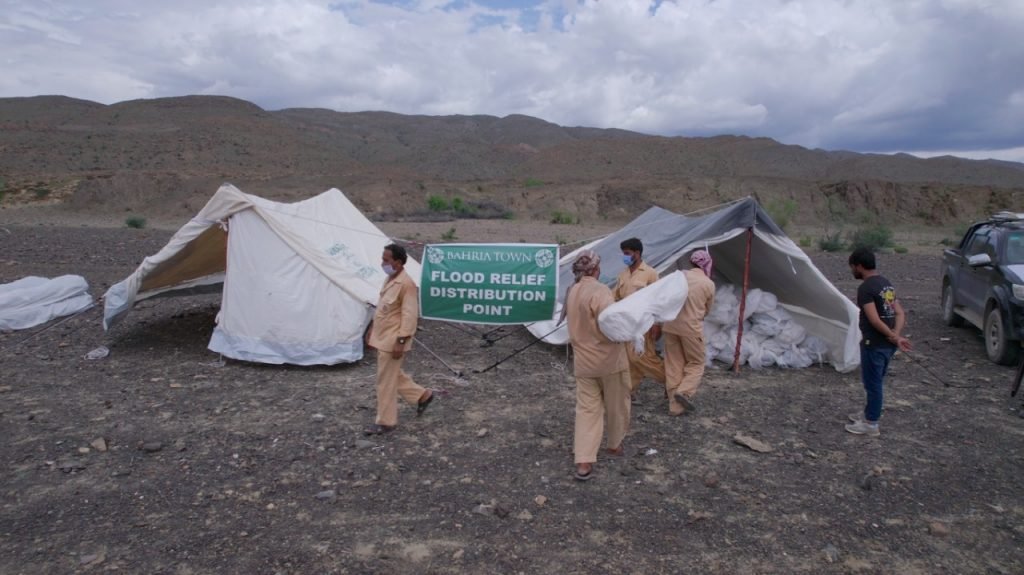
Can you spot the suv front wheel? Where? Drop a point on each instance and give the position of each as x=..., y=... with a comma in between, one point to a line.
x=1000, y=348
x=949, y=316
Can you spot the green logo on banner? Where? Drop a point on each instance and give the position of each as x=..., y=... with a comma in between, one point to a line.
x=489, y=283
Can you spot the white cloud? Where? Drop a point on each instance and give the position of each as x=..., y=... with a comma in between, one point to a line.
x=838, y=74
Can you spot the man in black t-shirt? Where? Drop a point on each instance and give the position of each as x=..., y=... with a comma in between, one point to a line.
x=881, y=322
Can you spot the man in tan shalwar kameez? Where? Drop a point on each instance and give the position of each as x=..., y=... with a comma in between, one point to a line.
x=635, y=277
x=391, y=333
x=600, y=367
x=684, y=336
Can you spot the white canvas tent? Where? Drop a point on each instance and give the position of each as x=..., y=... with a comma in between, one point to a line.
x=749, y=249
x=299, y=280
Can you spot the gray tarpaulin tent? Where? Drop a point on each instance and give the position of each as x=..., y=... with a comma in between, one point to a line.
x=749, y=250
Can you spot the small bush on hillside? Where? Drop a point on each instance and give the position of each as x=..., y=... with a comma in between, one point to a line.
x=831, y=242
x=136, y=222
x=900, y=249
x=805, y=241
x=437, y=204
x=872, y=237
x=449, y=235
x=781, y=211
x=461, y=207
x=532, y=183
x=558, y=217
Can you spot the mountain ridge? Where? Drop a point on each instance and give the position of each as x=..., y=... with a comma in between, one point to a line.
x=168, y=155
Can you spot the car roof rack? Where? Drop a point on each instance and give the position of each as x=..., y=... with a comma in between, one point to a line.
x=1007, y=216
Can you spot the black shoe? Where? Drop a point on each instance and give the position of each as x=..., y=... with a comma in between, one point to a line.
x=422, y=406
x=377, y=429
x=685, y=402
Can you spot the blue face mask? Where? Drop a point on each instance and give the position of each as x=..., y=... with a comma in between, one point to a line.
x=387, y=269
x=628, y=260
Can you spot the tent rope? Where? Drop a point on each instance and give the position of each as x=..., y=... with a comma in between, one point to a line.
x=517, y=352
x=53, y=325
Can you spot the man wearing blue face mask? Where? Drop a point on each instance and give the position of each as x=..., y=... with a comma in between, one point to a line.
x=391, y=333
x=637, y=276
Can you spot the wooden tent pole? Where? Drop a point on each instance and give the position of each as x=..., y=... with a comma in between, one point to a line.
x=743, y=301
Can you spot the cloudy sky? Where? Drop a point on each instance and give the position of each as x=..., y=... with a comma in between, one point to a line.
x=920, y=76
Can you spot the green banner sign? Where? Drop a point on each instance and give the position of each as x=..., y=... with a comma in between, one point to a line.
x=489, y=283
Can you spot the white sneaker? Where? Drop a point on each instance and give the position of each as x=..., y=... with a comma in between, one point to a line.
x=856, y=417
x=863, y=428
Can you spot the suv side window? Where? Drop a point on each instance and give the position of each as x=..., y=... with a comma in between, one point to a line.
x=1014, y=248
x=981, y=243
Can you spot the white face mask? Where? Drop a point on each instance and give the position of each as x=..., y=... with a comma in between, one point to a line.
x=388, y=269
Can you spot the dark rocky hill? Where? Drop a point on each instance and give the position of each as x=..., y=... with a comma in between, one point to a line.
x=165, y=157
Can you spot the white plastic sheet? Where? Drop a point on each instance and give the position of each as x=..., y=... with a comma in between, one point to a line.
x=33, y=301
x=630, y=318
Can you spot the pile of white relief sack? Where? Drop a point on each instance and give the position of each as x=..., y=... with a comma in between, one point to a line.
x=770, y=336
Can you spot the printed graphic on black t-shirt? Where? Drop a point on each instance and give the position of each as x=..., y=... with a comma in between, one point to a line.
x=877, y=290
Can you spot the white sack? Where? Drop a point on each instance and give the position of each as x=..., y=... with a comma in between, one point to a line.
x=33, y=301
x=770, y=335
x=630, y=318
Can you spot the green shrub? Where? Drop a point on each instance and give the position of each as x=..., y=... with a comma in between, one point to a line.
x=781, y=211
x=832, y=242
x=449, y=235
x=900, y=249
x=872, y=237
x=461, y=207
x=532, y=183
x=806, y=241
x=437, y=204
x=137, y=222
x=558, y=217
x=41, y=192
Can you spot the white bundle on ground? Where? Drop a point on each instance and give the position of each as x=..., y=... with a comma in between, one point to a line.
x=770, y=336
x=32, y=300
x=629, y=319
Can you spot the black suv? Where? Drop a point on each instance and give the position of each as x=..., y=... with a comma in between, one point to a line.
x=983, y=283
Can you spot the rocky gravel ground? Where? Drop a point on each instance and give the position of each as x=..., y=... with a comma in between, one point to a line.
x=163, y=458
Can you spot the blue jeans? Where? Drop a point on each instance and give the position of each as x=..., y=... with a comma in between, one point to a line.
x=874, y=362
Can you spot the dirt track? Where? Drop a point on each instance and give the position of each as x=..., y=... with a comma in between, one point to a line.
x=243, y=468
